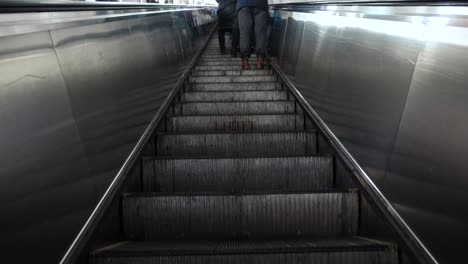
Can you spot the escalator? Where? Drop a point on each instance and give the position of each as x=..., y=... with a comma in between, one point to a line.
x=237, y=173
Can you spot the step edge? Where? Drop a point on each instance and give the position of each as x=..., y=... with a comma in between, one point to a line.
x=238, y=115
x=155, y=158
x=237, y=133
x=101, y=252
x=224, y=194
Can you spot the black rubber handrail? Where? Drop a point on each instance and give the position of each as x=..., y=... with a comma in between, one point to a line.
x=406, y=234
x=18, y=6
x=305, y=3
x=114, y=188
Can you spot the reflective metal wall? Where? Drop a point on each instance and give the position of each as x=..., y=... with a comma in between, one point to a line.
x=392, y=83
x=73, y=102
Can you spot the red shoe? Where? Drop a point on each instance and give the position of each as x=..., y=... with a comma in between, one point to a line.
x=260, y=63
x=245, y=64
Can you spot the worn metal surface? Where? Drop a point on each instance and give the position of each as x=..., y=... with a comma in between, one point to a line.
x=235, y=108
x=237, y=145
x=352, y=250
x=234, y=72
x=284, y=174
x=73, y=103
x=390, y=82
x=264, y=86
x=234, y=96
x=262, y=216
x=225, y=79
x=235, y=123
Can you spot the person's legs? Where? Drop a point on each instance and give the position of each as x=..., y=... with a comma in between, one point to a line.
x=222, y=41
x=261, y=27
x=245, y=17
x=235, y=41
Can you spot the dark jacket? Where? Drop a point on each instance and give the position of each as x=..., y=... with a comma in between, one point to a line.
x=227, y=14
x=259, y=4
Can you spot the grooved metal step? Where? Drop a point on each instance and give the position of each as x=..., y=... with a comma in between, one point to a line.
x=230, y=59
x=234, y=108
x=257, y=86
x=234, y=79
x=346, y=250
x=210, y=63
x=235, y=123
x=215, y=53
x=150, y=216
x=218, y=56
x=232, y=73
x=217, y=68
x=282, y=174
x=237, y=145
x=227, y=96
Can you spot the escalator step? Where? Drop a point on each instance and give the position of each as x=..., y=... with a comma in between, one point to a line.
x=228, y=96
x=219, y=56
x=234, y=79
x=150, y=216
x=235, y=72
x=217, y=68
x=237, y=145
x=235, y=108
x=235, y=123
x=205, y=59
x=346, y=250
x=284, y=174
x=210, y=63
x=257, y=86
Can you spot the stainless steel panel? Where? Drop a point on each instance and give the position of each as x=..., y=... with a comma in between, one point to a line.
x=391, y=83
x=431, y=148
x=39, y=189
x=73, y=102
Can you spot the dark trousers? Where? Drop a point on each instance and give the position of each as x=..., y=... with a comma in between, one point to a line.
x=234, y=35
x=247, y=17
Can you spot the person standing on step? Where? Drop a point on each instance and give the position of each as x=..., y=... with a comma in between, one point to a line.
x=227, y=22
x=253, y=13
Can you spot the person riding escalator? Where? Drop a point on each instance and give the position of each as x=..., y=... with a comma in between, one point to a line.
x=227, y=22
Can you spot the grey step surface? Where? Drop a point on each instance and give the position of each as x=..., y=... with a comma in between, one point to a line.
x=206, y=59
x=233, y=108
x=211, y=63
x=235, y=72
x=150, y=216
x=217, y=68
x=216, y=53
x=282, y=174
x=227, y=96
x=256, y=86
x=235, y=123
x=336, y=250
x=233, y=79
x=225, y=145
x=217, y=56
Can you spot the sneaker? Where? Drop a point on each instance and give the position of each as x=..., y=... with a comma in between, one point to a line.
x=234, y=53
x=245, y=64
x=260, y=63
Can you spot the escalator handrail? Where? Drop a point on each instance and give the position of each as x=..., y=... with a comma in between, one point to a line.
x=305, y=3
x=18, y=6
x=421, y=253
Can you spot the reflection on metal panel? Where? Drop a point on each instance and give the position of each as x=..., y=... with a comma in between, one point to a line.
x=73, y=103
x=392, y=84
